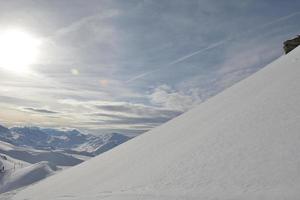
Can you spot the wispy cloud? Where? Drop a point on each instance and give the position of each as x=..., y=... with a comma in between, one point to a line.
x=181, y=59
x=277, y=20
x=215, y=45
x=39, y=110
x=131, y=65
x=130, y=116
x=79, y=24
x=174, y=100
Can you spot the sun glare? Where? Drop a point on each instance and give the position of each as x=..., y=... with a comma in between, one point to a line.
x=18, y=50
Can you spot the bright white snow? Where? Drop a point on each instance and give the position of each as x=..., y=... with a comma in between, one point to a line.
x=241, y=144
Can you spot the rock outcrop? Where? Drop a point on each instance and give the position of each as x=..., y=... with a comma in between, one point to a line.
x=289, y=45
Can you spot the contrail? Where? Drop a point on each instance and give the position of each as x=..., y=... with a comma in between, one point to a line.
x=278, y=20
x=212, y=46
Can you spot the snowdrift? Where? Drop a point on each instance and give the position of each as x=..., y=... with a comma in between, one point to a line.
x=13, y=179
x=241, y=144
x=24, y=166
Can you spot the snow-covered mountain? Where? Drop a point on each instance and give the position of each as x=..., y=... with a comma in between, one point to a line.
x=32, y=156
x=66, y=140
x=21, y=166
x=35, y=153
x=15, y=178
x=16, y=173
x=241, y=144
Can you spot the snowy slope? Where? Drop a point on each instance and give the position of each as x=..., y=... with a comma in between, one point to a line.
x=18, y=173
x=13, y=179
x=241, y=144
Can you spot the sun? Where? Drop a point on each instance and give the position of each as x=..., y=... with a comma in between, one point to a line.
x=18, y=50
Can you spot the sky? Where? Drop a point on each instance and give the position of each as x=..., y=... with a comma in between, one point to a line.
x=128, y=66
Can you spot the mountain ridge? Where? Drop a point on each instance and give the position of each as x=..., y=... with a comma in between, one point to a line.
x=57, y=139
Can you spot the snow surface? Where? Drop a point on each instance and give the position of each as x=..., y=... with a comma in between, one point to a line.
x=12, y=179
x=18, y=173
x=241, y=144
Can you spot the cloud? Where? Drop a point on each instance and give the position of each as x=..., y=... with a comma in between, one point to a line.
x=181, y=59
x=278, y=20
x=214, y=45
x=127, y=120
x=132, y=65
x=137, y=109
x=243, y=57
x=79, y=24
x=14, y=100
x=174, y=100
x=120, y=115
x=39, y=110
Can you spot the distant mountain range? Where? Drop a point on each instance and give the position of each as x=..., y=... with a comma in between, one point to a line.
x=30, y=154
x=65, y=140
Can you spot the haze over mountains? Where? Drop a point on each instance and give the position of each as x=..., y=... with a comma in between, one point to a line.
x=55, y=139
